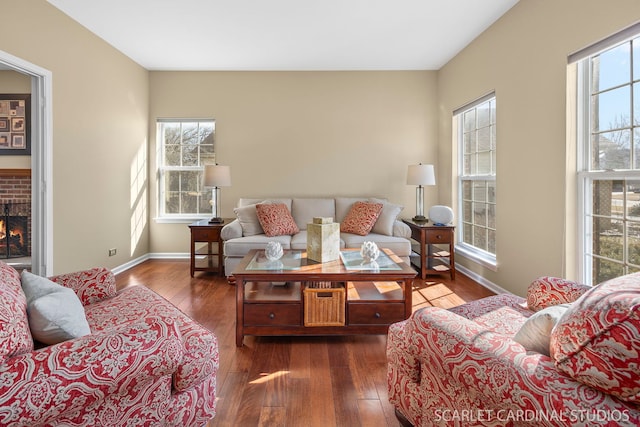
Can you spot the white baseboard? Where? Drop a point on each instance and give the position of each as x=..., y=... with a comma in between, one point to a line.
x=143, y=258
x=481, y=280
x=181, y=255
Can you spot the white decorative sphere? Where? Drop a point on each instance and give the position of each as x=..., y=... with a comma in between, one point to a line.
x=369, y=251
x=273, y=251
x=441, y=214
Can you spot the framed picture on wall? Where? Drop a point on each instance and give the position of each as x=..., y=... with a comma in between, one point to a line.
x=15, y=127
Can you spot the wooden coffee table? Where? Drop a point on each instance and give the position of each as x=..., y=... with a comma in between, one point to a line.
x=298, y=296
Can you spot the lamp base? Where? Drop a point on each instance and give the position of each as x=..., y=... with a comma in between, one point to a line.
x=420, y=218
x=216, y=220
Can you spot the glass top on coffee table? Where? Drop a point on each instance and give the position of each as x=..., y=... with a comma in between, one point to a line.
x=350, y=260
x=291, y=260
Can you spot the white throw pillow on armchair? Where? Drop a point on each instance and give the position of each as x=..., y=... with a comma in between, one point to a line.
x=535, y=333
x=55, y=312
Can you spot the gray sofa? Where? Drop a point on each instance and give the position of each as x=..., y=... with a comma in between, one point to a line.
x=245, y=233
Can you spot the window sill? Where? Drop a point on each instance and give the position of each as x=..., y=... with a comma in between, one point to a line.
x=179, y=220
x=483, y=258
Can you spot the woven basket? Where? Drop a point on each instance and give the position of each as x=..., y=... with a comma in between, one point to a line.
x=324, y=306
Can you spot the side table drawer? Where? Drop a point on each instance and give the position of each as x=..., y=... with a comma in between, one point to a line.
x=443, y=236
x=375, y=314
x=205, y=234
x=272, y=314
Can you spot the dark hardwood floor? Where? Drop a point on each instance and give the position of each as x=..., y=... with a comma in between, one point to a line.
x=291, y=381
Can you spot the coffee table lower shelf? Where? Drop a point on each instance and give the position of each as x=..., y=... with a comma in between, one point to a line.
x=347, y=308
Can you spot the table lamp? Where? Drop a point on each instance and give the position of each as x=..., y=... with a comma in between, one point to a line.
x=216, y=176
x=420, y=175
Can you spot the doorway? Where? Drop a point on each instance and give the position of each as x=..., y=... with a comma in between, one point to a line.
x=41, y=162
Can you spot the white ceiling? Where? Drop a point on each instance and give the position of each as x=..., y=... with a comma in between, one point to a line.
x=287, y=34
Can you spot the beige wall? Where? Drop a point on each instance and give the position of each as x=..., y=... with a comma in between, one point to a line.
x=304, y=134
x=523, y=57
x=100, y=124
x=312, y=133
x=13, y=82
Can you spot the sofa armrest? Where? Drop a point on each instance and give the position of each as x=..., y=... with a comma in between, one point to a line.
x=546, y=291
x=91, y=285
x=400, y=229
x=464, y=366
x=37, y=387
x=231, y=230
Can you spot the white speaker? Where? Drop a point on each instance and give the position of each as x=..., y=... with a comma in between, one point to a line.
x=441, y=215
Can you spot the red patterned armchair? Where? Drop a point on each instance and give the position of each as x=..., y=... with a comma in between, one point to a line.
x=567, y=355
x=143, y=362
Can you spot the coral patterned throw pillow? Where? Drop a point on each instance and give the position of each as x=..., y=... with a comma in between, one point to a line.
x=597, y=341
x=361, y=218
x=276, y=220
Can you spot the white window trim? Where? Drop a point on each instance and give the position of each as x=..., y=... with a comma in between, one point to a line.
x=164, y=218
x=483, y=258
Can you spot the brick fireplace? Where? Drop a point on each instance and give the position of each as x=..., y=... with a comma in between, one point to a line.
x=15, y=213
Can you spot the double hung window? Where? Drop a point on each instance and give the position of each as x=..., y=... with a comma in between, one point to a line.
x=609, y=159
x=185, y=146
x=477, y=180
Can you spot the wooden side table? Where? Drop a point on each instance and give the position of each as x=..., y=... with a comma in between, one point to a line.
x=431, y=240
x=203, y=231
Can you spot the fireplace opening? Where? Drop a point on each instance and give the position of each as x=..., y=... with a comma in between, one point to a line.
x=14, y=230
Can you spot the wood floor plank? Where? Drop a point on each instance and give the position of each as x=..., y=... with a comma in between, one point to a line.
x=228, y=399
x=299, y=359
x=361, y=369
x=290, y=381
x=346, y=407
x=278, y=373
x=298, y=409
x=322, y=402
x=371, y=413
x=271, y=416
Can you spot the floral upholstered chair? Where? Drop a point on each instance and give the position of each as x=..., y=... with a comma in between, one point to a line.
x=567, y=355
x=109, y=358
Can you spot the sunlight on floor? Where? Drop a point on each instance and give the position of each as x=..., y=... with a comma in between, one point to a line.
x=434, y=294
x=269, y=377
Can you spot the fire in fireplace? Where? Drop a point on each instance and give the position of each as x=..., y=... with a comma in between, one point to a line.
x=14, y=230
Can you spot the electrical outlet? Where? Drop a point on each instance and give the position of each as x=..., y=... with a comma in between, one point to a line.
x=112, y=252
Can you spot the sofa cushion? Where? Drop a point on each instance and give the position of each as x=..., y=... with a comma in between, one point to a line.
x=388, y=216
x=305, y=209
x=361, y=218
x=398, y=245
x=250, y=201
x=55, y=313
x=275, y=219
x=597, y=341
x=535, y=333
x=242, y=245
x=248, y=218
x=502, y=313
x=200, y=347
x=15, y=337
x=299, y=241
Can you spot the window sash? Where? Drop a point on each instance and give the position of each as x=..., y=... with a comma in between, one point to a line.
x=608, y=230
x=181, y=195
x=477, y=150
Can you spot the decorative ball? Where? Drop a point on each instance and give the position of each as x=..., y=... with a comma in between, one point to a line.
x=369, y=251
x=273, y=251
x=441, y=215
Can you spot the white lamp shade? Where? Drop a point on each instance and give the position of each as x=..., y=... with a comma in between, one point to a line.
x=421, y=175
x=217, y=176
